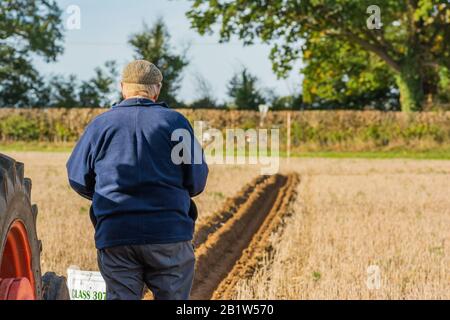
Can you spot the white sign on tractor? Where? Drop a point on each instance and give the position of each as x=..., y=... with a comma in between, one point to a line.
x=85, y=285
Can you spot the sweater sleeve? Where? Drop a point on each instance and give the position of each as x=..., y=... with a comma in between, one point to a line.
x=80, y=167
x=196, y=170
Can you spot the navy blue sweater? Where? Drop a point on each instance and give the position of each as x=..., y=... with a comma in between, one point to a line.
x=123, y=163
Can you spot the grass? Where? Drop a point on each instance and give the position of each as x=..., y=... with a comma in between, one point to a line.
x=432, y=154
x=394, y=154
x=23, y=146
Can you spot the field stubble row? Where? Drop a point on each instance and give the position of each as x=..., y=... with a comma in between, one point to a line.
x=361, y=230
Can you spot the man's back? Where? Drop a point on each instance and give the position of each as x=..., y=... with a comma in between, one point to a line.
x=123, y=162
x=141, y=183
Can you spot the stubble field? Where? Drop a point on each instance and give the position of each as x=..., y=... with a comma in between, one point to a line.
x=359, y=229
x=367, y=229
x=63, y=222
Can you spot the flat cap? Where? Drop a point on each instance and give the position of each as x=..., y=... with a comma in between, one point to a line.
x=141, y=72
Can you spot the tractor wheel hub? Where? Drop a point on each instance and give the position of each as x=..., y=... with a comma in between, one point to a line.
x=16, y=289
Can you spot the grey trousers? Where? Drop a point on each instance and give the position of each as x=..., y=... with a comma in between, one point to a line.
x=166, y=269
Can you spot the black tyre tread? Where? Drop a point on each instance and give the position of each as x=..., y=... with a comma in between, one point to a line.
x=5, y=180
x=15, y=191
x=34, y=211
x=20, y=168
x=3, y=188
x=6, y=183
x=27, y=186
x=54, y=287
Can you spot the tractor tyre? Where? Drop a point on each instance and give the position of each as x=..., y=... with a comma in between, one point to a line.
x=54, y=287
x=20, y=248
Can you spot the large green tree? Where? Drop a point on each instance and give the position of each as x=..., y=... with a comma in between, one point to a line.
x=153, y=44
x=27, y=28
x=341, y=75
x=413, y=40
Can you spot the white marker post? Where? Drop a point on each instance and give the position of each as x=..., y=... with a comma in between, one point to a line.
x=263, y=109
x=288, y=142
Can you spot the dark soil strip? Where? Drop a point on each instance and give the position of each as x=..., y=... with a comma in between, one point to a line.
x=220, y=255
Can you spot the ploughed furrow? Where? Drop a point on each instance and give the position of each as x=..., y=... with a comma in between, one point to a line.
x=248, y=262
x=230, y=250
x=230, y=207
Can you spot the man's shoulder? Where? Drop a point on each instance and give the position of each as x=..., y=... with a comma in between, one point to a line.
x=174, y=114
x=111, y=114
x=117, y=115
x=99, y=119
x=163, y=111
x=103, y=121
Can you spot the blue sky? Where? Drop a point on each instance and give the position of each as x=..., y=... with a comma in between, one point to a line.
x=107, y=24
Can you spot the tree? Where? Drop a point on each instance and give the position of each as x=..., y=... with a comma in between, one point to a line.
x=27, y=28
x=413, y=41
x=444, y=86
x=97, y=92
x=204, y=94
x=63, y=92
x=243, y=89
x=290, y=102
x=68, y=92
x=152, y=44
x=341, y=75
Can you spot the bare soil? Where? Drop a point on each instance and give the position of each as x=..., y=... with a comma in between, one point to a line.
x=239, y=235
